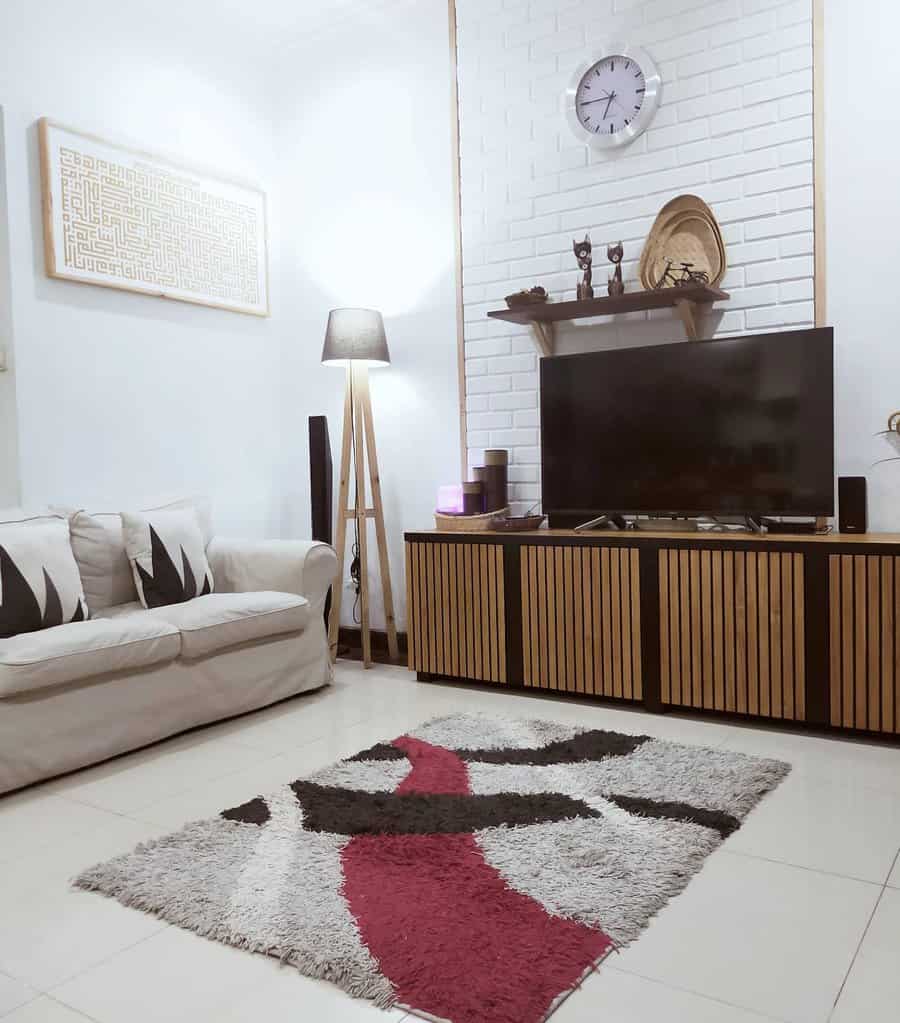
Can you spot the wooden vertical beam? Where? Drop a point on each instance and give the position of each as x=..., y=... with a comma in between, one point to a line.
x=820, y=294
x=457, y=237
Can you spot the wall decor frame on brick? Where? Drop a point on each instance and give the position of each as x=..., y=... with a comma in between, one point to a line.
x=739, y=124
x=120, y=218
x=793, y=629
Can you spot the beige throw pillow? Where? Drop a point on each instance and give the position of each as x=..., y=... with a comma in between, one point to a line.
x=168, y=556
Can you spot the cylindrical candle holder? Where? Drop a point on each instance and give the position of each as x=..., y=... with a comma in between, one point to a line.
x=494, y=476
x=473, y=498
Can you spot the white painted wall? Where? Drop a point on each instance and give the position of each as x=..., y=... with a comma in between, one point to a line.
x=9, y=436
x=734, y=126
x=366, y=144
x=340, y=111
x=122, y=396
x=862, y=152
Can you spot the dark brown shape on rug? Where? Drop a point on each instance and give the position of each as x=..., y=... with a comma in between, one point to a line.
x=348, y=812
x=254, y=812
x=596, y=744
x=380, y=751
x=717, y=820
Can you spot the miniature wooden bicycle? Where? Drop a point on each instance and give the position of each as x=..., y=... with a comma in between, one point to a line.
x=682, y=276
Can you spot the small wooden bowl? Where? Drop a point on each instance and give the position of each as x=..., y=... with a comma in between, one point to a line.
x=523, y=299
x=465, y=523
x=516, y=523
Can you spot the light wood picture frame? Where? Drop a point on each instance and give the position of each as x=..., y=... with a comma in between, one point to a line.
x=120, y=218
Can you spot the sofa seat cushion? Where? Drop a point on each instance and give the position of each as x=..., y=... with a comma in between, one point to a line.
x=220, y=620
x=69, y=653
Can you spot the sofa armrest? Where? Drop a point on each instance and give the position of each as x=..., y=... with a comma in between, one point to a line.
x=304, y=567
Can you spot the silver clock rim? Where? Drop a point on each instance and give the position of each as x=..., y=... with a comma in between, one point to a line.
x=653, y=87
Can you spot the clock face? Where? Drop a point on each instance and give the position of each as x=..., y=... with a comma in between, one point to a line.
x=611, y=95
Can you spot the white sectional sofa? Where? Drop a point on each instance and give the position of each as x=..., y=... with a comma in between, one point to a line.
x=79, y=693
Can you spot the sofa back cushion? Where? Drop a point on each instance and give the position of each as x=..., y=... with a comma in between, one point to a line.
x=167, y=552
x=39, y=582
x=99, y=548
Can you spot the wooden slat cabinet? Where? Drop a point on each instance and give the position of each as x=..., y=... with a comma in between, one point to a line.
x=800, y=629
x=865, y=655
x=581, y=620
x=456, y=610
x=732, y=632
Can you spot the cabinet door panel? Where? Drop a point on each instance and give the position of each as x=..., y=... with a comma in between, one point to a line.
x=582, y=620
x=731, y=631
x=456, y=610
x=865, y=654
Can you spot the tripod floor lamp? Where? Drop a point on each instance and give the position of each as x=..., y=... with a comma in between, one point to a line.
x=355, y=339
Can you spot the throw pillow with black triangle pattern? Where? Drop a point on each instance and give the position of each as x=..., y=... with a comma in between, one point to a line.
x=167, y=555
x=39, y=582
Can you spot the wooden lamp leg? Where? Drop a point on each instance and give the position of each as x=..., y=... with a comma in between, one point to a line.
x=378, y=510
x=334, y=623
x=359, y=373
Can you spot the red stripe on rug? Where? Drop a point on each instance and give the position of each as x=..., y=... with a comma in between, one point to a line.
x=434, y=769
x=448, y=933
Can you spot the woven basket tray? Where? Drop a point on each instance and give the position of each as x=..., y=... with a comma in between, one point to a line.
x=685, y=231
x=466, y=523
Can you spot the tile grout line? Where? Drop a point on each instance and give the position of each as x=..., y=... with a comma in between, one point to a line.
x=801, y=866
x=764, y=1018
x=858, y=948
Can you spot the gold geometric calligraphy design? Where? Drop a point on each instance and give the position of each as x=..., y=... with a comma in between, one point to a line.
x=151, y=226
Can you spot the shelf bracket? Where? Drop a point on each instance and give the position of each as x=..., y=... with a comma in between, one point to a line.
x=545, y=337
x=688, y=311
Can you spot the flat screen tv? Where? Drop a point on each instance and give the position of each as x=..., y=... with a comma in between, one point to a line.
x=741, y=426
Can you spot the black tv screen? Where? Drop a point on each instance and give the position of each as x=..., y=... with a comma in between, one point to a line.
x=741, y=426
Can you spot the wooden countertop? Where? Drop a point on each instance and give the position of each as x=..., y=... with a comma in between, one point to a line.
x=646, y=534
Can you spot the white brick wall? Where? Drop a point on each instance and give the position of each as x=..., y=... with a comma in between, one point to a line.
x=734, y=126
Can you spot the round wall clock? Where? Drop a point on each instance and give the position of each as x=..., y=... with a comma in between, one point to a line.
x=613, y=98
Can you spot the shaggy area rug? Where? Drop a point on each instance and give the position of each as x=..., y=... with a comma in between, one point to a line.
x=473, y=870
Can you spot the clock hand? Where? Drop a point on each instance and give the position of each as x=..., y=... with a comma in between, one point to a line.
x=612, y=96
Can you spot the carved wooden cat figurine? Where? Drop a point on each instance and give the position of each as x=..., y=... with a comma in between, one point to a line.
x=614, y=254
x=585, y=259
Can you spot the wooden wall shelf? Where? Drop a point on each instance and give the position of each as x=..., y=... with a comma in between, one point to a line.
x=799, y=629
x=687, y=302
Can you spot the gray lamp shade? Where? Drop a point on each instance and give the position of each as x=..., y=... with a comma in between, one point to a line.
x=355, y=335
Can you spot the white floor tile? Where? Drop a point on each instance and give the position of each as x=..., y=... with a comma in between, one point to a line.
x=288, y=997
x=894, y=879
x=836, y=826
x=13, y=993
x=47, y=938
x=874, y=765
x=45, y=1010
x=32, y=820
x=174, y=976
x=611, y=996
x=872, y=991
x=131, y=782
x=769, y=938
x=751, y=940
x=53, y=867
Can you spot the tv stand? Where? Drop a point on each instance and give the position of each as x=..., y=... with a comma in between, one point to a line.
x=801, y=629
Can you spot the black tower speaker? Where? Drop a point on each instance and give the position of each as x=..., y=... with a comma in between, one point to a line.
x=320, y=485
x=852, y=505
